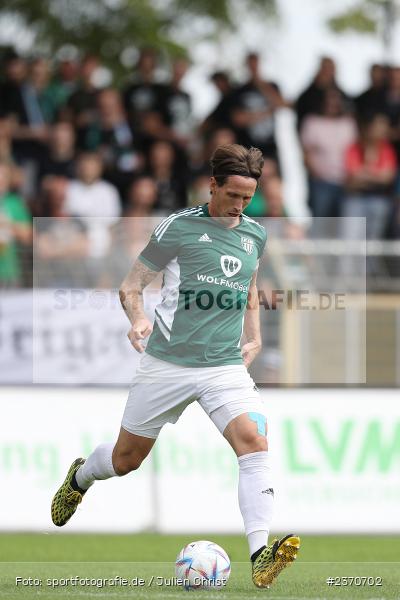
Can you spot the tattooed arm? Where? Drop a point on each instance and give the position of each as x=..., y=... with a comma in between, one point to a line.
x=131, y=296
x=251, y=329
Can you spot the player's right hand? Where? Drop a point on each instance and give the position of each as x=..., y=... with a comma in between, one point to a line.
x=139, y=331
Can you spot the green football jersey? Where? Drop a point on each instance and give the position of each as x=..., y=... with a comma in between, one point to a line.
x=207, y=274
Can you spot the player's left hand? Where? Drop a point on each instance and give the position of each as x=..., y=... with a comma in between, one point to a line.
x=249, y=352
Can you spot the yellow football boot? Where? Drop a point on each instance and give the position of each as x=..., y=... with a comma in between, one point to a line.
x=273, y=559
x=67, y=499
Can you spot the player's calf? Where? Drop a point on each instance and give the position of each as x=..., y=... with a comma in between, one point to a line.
x=130, y=451
x=126, y=462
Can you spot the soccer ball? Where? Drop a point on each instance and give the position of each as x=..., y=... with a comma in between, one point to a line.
x=202, y=564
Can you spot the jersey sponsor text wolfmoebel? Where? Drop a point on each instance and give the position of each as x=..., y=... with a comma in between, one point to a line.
x=235, y=285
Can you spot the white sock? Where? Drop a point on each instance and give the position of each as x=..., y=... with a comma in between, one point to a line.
x=256, y=498
x=98, y=465
x=257, y=539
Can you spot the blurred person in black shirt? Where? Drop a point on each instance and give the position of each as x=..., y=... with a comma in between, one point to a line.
x=159, y=111
x=33, y=105
x=39, y=81
x=15, y=72
x=20, y=102
x=110, y=131
x=112, y=135
x=24, y=92
x=392, y=95
x=59, y=157
x=82, y=102
x=253, y=106
x=310, y=101
x=176, y=106
x=144, y=95
x=65, y=81
x=392, y=107
x=220, y=117
x=373, y=100
x=30, y=109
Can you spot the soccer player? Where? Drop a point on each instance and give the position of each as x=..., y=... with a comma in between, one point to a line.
x=209, y=256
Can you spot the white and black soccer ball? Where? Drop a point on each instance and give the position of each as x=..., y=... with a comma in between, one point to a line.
x=202, y=564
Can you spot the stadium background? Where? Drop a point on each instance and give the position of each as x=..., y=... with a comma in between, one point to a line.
x=93, y=153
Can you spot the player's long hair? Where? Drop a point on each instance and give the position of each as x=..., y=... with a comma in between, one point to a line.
x=234, y=159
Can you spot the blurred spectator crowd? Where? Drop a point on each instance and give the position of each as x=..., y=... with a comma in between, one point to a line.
x=88, y=155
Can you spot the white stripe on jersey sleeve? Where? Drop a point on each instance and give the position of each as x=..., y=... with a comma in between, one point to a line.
x=175, y=214
x=162, y=230
x=170, y=217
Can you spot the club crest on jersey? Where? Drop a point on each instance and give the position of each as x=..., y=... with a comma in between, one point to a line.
x=247, y=244
x=230, y=265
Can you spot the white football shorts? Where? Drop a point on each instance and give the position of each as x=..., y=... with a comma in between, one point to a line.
x=160, y=392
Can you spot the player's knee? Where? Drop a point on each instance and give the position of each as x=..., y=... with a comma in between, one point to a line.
x=254, y=442
x=124, y=463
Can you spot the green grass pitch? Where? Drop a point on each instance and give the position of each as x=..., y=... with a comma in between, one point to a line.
x=44, y=557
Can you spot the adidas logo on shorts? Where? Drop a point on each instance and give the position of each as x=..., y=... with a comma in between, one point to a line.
x=204, y=238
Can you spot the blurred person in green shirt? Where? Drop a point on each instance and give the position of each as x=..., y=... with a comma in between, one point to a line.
x=15, y=227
